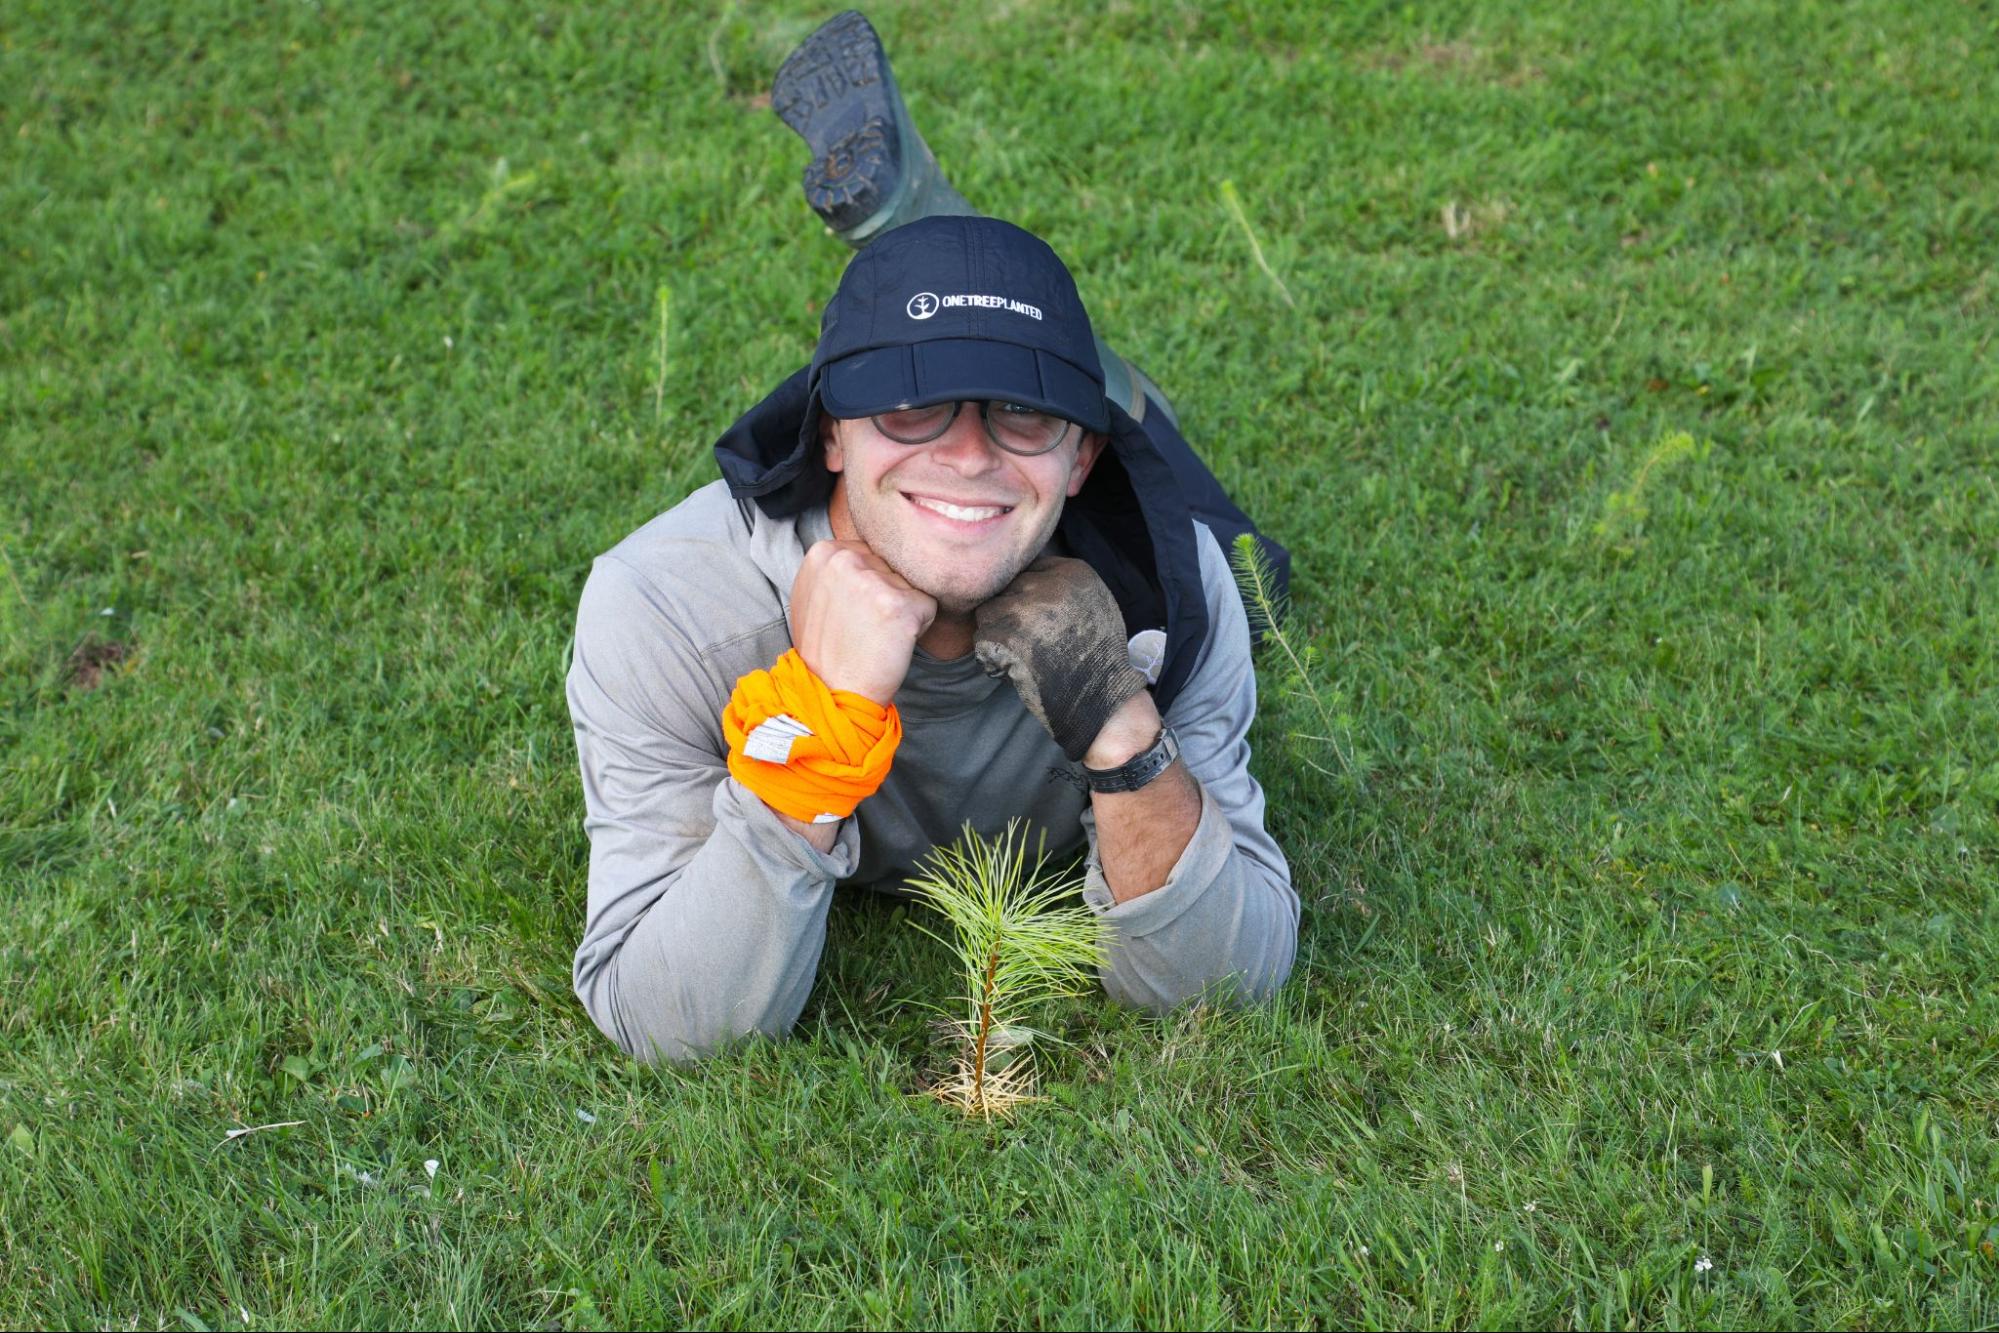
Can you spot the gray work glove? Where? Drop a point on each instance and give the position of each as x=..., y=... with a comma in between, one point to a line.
x=1057, y=632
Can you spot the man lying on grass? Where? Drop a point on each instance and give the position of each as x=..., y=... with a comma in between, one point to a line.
x=947, y=576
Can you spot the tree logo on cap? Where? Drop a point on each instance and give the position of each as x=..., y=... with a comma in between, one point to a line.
x=922, y=305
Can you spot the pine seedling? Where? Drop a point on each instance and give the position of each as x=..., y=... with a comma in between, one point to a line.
x=1015, y=950
x=1256, y=580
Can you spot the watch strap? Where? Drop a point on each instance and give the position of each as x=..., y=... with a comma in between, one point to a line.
x=1140, y=769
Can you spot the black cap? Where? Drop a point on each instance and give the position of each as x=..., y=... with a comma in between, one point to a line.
x=948, y=308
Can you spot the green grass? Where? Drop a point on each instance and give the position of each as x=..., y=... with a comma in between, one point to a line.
x=1634, y=430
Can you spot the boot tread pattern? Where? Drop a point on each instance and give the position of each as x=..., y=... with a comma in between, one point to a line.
x=844, y=55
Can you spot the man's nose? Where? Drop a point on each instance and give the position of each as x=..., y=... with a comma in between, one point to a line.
x=966, y=446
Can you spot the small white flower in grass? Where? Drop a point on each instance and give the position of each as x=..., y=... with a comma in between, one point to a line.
x=1498, y=1246
x=1703, y=1264
x=360, y=1177
x=108, y=611
x=430, y=1167
x=585, y=1116
x=1364, y=1251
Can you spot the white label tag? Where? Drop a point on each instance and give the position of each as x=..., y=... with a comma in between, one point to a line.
x=771, y=739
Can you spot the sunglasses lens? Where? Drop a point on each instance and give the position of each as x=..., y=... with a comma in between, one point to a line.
x=1025, y=430
x=915, y=425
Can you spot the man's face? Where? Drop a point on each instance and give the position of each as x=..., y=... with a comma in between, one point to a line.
x=893, y=496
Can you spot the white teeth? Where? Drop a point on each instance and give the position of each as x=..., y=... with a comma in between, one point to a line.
x=952, y=511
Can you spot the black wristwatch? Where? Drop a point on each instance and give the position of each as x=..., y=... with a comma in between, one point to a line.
x=1140, y=768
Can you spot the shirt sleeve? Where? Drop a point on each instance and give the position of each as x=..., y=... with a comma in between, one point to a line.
x=1225, y=922
x=706, y=914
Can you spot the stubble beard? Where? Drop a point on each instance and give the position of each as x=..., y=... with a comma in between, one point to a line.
x=958, y=598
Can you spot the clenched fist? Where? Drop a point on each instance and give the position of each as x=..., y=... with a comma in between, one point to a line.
x=1057, y=632
x=855, y=621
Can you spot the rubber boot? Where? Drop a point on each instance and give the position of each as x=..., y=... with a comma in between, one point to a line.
x=870, y=169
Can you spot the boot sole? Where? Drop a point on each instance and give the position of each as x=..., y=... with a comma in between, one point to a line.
x=837, y=93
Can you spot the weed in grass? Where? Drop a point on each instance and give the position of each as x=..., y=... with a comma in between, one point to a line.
x=1015, y=949
x=1233, y=201
x=1268, y=611
x=1625, y=509
x=659, y=380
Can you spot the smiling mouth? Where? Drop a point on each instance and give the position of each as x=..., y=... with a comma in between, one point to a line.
x=964, y=515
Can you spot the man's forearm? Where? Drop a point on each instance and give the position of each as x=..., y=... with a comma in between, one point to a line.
x=1140, y=834
x=730, y=947
x=821, y=836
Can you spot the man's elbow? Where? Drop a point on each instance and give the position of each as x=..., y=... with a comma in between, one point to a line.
x=1249, y=976
x=661, y=1028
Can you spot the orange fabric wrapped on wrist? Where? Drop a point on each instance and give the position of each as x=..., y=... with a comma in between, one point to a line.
x=840, y=762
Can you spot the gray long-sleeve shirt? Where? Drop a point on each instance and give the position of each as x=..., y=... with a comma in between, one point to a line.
x=707, y=914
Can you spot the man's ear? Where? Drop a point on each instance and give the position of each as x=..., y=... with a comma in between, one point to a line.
x=1086, y=458
x=829, y=440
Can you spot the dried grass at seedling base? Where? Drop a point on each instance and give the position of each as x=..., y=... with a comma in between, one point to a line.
x=1003, y=1090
